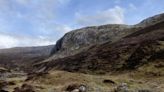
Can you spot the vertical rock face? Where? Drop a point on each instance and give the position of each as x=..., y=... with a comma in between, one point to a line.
x=74, y=41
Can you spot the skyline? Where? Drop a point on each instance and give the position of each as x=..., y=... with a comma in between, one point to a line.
x=43, y=22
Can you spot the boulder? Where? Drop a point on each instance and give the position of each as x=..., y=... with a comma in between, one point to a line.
x=76, y=88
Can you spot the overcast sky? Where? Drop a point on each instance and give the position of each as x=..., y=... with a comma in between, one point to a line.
x=43, y=22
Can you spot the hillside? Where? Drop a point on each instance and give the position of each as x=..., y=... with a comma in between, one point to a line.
x=131, y=51
x=78, y=40
x=20, y=58
x=106, y=58
x=135, y=59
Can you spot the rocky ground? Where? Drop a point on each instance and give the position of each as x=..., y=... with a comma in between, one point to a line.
x=148, y=78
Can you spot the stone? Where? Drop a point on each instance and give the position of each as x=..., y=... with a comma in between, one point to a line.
x=82, y=88
x=123, y=87
x=76, y=88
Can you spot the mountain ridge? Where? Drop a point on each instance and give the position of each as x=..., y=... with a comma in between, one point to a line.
x=148, y=34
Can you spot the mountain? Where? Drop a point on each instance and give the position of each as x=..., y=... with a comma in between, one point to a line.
x=128, y=49
x=129, y=53
x=80, y=40
x=20, y=58
x=77, y=39
x=151, y=20
x=106, y=58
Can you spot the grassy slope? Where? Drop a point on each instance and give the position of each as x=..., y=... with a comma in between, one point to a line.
x=149, y=76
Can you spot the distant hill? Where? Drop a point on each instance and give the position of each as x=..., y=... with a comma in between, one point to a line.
x=20, y=58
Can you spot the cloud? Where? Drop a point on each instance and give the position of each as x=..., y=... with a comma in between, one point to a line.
x=132, y=6
x=33, y=23
x=23, y=2
x=8, y=41
x=113, y=15
x=47, y=35
x=26, y=2
x=117, y=1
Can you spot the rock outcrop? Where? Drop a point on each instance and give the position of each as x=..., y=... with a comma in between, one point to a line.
x=76, y=40
x=126, y=53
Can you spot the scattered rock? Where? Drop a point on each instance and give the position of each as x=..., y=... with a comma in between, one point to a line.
x=76, y=88
x=123, y=87
x=82, y=88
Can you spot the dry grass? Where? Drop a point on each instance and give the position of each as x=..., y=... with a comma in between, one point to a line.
x=57, y=81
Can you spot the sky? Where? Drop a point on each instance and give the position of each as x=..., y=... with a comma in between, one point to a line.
x=43, y=22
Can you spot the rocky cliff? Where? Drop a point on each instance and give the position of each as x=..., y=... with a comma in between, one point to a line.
x=79, y=40
x=119, y=52
x=83, y=37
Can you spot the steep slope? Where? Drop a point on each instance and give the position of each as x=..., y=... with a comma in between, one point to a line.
x=81, y=39
x=23, y=57
x=141, y=47
x=151, y=20
x=76, y=40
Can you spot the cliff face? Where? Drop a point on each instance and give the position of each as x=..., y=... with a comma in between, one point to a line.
x=129, y=53
x=126, y=52
x=79, y=40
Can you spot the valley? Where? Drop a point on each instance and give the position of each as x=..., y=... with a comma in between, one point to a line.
x=106, y=58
